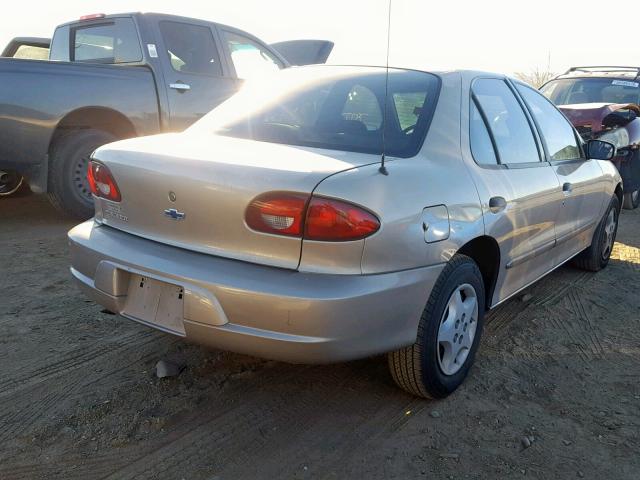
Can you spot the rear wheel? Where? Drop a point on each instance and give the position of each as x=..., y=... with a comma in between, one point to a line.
x=10, y=182
x=448, y=334
x=69, y=189
x=631, y=200
x=596, y=257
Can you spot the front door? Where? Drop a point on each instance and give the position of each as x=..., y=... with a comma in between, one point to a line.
x=520, y=193
x=197, y=80
x=581, y=179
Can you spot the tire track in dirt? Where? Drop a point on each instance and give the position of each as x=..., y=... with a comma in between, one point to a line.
x=70, y=361
x=243, y=428
x=41, y=396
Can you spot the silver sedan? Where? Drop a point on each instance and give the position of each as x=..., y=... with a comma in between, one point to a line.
x=333, y=213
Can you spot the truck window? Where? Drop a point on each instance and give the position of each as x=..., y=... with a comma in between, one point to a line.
x=30, y=52
x=190, y=48
x=113, y=42
x=249, y=57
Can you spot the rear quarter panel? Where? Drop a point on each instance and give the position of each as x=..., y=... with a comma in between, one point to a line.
x=436, y=176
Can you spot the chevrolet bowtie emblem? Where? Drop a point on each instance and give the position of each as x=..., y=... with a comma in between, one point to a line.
x=174, y=214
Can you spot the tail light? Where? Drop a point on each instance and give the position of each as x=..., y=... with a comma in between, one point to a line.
x=92, y=16
x=318, y=218
x=102, y=183
x=277, y=212
x=335, y=221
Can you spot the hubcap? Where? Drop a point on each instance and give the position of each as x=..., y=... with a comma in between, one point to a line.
x=609, y=234
x=634, y=196
x=457, y=329
x=80, y=181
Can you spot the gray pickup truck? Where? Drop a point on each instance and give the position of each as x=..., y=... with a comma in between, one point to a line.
x=113, y=77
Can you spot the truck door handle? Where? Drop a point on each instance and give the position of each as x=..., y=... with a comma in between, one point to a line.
x=567, y=188
x=497, y=204
x=181, y=87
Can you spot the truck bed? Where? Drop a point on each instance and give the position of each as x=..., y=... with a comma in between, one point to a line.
x=37, y=95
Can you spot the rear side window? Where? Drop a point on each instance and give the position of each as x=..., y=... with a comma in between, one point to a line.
x=191, y=48
x=408, y=106
x=249, y=58
x=481, y=145
x=507, y=121
x=558, y=134
x=113, y=42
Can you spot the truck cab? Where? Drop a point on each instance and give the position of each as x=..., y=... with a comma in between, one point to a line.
x=111, y=77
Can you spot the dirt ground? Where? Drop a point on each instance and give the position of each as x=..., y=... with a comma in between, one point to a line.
x=79, y=398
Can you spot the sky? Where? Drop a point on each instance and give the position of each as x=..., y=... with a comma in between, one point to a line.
x=491, y=35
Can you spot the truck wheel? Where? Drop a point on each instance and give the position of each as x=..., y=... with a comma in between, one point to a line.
x=10, y=182
x=69, y=189
x=631, y=200
x=448, y=334
x=596, y=257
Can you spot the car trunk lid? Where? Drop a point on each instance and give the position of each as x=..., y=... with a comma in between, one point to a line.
x=191, y=190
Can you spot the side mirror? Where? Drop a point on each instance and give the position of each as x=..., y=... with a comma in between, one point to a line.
x=600, y=150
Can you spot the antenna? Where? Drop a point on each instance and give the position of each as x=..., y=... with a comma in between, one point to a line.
x=383, y=169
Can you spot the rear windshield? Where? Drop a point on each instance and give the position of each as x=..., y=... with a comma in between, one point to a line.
x=339, y=108
x=115, y=41
x=570, y=91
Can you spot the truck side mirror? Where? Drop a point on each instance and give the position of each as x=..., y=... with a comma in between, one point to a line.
x=600, y=150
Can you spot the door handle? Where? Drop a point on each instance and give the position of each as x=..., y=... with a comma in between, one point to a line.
x=181, y=87
x=497, y=204
x=567, y=188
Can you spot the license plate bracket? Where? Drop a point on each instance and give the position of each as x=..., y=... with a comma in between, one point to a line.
x=156, y=303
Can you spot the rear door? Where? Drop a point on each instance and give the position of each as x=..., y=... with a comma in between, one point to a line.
x=581, y=179
x=197, y=77
x=519, y=192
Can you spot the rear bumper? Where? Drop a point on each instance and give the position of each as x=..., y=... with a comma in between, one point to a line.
x=257, y=310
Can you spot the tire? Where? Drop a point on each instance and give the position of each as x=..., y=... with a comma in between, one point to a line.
x=10, y=182
x=596, y=257
x=68, y=186
x=427, y=368
x=631, y=200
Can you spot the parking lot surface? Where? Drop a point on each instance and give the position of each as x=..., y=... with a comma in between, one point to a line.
x=555, y=392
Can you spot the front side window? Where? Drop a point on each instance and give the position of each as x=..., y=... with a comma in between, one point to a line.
x=250, y=59
x=507, y=121
x=113, y=42
x=339, y=108
x=190, y=48
x=557, y=132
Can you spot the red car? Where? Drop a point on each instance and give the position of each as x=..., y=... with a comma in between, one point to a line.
x=603, y=103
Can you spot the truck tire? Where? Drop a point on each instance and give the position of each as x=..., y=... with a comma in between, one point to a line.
x=596, y=257
x=631, y=200
x=10, y=182
x=448, y=333
x=68, y=186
